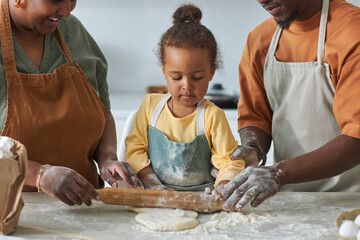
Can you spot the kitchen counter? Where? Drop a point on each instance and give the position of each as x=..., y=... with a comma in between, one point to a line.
x=284, y=216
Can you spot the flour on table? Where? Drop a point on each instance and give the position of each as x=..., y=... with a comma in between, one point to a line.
x=184, y=221
x=228, y=219
x=165, y=219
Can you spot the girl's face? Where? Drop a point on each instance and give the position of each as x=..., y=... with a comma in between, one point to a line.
x=188, y=72
x=41, y=16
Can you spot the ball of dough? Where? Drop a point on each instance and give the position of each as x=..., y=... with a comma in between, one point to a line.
x=164, y=219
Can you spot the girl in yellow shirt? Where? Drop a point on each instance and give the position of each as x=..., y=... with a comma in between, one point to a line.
x=178, y=137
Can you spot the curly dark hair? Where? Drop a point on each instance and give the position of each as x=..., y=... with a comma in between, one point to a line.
x=188, y=32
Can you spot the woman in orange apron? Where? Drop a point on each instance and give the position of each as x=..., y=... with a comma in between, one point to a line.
x=54, y=100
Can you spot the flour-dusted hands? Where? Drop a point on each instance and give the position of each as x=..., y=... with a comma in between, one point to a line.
x=255, y=184
x=111, y=171
x=67, y=185
x=247, y=153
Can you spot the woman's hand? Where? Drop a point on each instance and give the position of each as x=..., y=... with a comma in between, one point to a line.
x=255, y=184
x=111, y=171
x=67, y=185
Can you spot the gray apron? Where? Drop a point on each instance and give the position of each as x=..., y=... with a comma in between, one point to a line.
x=181, y=166
x=301, y=96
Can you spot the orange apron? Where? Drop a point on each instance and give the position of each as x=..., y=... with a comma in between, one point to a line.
x=57, y=116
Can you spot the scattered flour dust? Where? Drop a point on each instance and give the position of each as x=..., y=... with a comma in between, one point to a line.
x=228, y=219
x=164, y=219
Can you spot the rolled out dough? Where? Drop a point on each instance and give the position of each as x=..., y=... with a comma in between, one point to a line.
x=165, y=219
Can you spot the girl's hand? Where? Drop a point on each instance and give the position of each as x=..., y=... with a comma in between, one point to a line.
x=219, y=188
x=111, y=171
x=67, y=185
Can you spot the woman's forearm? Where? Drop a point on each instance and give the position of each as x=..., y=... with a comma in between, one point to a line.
x=32, y=172
x=106, y=149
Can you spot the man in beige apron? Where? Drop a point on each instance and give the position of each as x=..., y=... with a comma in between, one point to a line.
x=61, y=121
x=303, y=129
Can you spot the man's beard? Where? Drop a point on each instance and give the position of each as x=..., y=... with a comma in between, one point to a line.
x=287, y=22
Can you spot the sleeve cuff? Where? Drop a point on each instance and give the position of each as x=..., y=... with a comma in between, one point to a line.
x=230, y=172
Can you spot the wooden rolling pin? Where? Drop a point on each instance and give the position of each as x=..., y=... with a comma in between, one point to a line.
x=160, y=199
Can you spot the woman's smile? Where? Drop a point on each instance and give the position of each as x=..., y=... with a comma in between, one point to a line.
x=53, y=21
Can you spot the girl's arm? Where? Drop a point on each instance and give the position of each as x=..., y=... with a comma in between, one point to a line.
x=222, y=145
x=137, y=147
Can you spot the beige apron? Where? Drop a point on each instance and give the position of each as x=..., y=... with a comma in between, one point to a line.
x=301, y=96
x=57, y=116
x=12, y=172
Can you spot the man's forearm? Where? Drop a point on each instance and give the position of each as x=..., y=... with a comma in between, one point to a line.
x=335, y=157
x=250, y=135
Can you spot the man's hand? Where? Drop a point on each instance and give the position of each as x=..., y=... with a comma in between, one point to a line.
x=255, y=184
x=247, y=153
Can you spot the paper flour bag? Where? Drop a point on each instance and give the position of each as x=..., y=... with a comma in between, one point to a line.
x=13, y=163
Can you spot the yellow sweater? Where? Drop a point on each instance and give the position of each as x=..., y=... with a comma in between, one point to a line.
x=220, y=139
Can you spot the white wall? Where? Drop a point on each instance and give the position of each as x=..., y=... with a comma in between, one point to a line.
x=128, y=31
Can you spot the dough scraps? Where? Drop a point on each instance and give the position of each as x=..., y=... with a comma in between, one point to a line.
x=165, y=219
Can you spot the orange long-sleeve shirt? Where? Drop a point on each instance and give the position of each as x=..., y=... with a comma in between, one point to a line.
x=298, y=43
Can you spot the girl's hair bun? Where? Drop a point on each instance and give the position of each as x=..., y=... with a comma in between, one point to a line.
x=187, y=14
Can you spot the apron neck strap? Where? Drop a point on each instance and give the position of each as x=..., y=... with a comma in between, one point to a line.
x=62, y=45
x=322, y=32
x=7, y=46
x=155, y=115
x=274, y=41
x=322, y=35
x=200, y=115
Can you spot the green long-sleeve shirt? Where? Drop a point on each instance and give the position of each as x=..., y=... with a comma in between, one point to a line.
x=83, y=50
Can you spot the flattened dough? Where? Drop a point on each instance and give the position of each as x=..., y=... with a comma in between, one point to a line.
x=165, y=219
